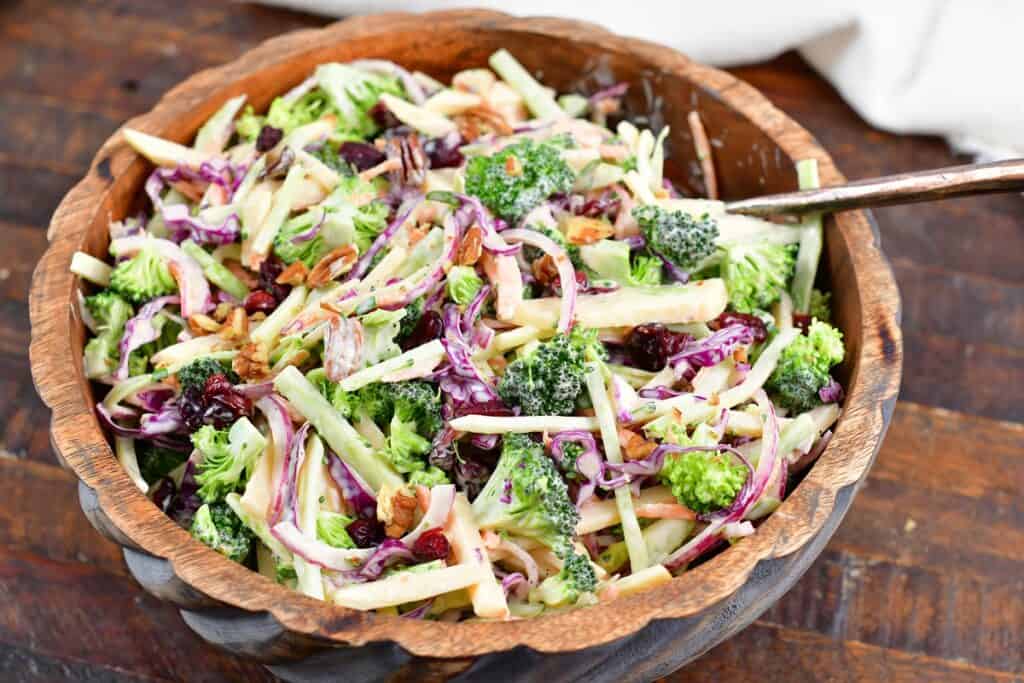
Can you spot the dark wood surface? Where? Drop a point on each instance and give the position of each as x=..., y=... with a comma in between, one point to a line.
x=923, y=580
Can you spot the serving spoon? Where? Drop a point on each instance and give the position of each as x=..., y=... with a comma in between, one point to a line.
x=904, y=188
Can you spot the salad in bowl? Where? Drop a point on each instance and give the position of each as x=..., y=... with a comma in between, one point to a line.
x=454, y=351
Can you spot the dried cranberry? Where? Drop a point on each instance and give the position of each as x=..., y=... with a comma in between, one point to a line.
x=270, y=270
x=431, y=545
x=801, y=320
x=223, y=403
x=650, y=346
x=444, y=152
x=163, y=493
x=427, y=329
x=366, y=533
x=607, y=205
x=752, y=321
x=383, y=117
x=268, y=138
x=361, y=155
x=259, y=301
x=192, y=408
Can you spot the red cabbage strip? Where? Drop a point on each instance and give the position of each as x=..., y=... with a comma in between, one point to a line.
x=285, y=506
x=617, y=90
x=184, y=226
x=140, y=330
x=745, y=499
x=831, y=392
x=420, y=612
x=566, y=273
x=317, y=552
x=453, y=227
x=515, y=584
x=710, y=350
x=354, y=490
x=442, y=498
x=388, y=553
x=589, y=465
x=363, y=264
x=274, y=409
x=311, y=232
x=659, y=392
x=493, y=242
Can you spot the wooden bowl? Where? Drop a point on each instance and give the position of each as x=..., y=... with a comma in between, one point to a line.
x=634, y=638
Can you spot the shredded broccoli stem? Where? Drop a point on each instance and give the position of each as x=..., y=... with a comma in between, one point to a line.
x=638, y=558
x=811, y=239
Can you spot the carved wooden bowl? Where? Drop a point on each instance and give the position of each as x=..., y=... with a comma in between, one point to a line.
x=634, y=638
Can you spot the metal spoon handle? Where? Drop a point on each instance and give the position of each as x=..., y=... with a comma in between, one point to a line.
x=905, y=188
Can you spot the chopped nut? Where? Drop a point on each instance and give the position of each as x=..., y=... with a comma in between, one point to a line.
x=584, y=230
x=634, y=446
x=252, y=362
x=471, y=247
x=293, y=275
x=740, y=354
x=258, y=316
x=481, y=119
x=246, y=276
x=220, y=313
x=545, y=270
x=337, y=262
x=498, y=364
x=201, y=324
x=236, y=326
x=403, y=512
x=513, y=166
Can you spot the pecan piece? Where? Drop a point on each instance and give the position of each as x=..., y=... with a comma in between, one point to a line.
x=201, y=324
x=403, y=512
x=236, y=325
x=584, y=230
x=252, y=362
x=293, y=275
x=545, y=270
x=337, y=262
x=471, y=248
x=412, y=160
x=634, y=446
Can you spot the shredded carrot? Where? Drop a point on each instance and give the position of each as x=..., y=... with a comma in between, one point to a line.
x=664, y=511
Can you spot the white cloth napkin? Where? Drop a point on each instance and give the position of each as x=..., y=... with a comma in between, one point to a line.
x=945, y=67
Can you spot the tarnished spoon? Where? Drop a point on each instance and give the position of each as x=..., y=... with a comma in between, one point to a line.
x=905, y=188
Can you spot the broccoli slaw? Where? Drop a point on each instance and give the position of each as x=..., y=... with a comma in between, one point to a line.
x=453, y=351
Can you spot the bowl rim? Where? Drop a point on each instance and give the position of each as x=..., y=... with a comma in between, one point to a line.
x=78, y=439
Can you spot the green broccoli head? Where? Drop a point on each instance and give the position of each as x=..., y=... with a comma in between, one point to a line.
x=228, y=457
x=463, y=283
x=405, y=447
x=380, y=330
x=518, y=178
x=142, y=277
x=308, y=251
x=430, y=477
x=703, y=482
x=331, y=528
x=194, y=375
x=217, y=525
x=549, y=380
x=111, y=312
x=803, y=368
x=677, y=236
x=411, y=414
x=565, y=588
x=413, y=313
x=757, y=274
x=156, y=462
x=645, y=271
x=821, y=305
x=611, y=260
x=352, y=93
x=526, y=496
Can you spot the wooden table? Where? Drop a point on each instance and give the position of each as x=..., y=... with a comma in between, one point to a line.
x=922, y=582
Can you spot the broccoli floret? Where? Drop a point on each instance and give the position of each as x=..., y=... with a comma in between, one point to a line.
x=194, y=375
x=645, y=270
x=549, y=380
x=564, y=588
x=310, y=251
x=677, y=236
x=411, y=414
x=703, y=481
x=156, y=462
x=610, y=260
x=110, y=312
x=353, y=92
x=228, y=457
x=413, y=313
x=526, y=496
x=331, y=529
x=380, y=330
x=757, y=274
x=518, y=178
x=463, y=284
x=142, y=277
x=217, y=525
x=430, y=477
x=821, y=305
x=803, y=368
